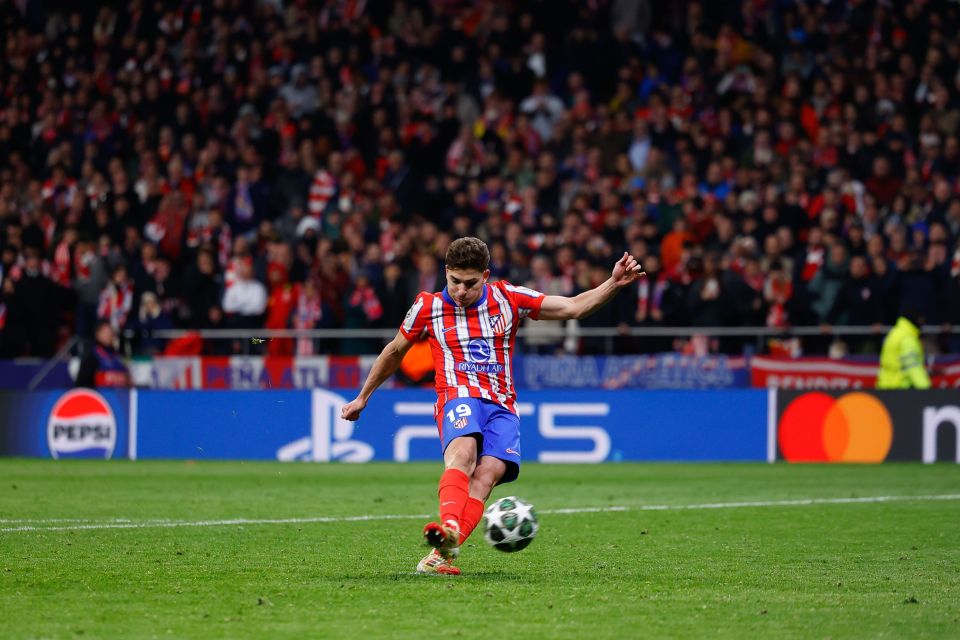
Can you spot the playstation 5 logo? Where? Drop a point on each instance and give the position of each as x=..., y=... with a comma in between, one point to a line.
x=330, y=436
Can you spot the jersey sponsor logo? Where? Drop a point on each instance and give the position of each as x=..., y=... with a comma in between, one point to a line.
x=478, y=350
x=448, y=329
x=480, y=367
x=509, y=450
x=81, y=425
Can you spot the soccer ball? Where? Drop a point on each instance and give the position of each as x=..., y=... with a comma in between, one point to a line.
x=511, y=524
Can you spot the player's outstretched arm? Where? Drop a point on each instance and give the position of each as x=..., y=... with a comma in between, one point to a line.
x=384, y=366
x=626, y=271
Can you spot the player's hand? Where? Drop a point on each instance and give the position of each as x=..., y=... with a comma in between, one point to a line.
x=627, y=270
x=351, y=410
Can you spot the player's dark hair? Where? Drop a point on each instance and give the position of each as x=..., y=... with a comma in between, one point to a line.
x=468, y=253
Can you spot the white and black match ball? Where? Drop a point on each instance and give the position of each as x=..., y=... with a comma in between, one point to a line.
x=511, y=524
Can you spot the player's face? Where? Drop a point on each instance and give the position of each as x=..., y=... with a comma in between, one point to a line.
x=465, y=286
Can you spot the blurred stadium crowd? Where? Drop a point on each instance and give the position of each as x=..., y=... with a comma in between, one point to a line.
x=292, y=164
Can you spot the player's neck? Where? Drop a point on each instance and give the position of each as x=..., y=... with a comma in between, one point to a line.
x=476, y=303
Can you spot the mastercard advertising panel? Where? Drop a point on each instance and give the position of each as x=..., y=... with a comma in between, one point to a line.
x=867, y=426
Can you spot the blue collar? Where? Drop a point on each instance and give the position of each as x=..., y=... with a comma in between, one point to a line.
x=480, y=301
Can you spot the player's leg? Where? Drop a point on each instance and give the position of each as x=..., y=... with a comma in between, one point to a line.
x=499, y=463
x=460, y=460
x=487, y=475
x=460, y=424
x=489, y=472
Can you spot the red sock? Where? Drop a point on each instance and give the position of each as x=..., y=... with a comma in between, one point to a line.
x=454, y=490
x=472, y=514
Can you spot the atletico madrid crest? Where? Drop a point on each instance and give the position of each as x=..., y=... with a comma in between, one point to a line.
x=498, y=324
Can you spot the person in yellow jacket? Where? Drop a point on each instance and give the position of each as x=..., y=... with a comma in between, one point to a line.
x=901, y=358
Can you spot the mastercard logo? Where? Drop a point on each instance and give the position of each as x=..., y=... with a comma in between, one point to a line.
x=816, y=427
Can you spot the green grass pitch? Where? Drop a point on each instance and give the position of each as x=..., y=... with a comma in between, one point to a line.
x=141, y=550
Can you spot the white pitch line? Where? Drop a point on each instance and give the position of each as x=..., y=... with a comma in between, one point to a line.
x=170, y=524
x=795, y=503
x=52, y=520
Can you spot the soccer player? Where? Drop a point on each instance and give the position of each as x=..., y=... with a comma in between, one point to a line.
x=471, y=326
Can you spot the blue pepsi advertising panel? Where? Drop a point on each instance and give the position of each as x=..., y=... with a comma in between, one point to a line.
x=75, y=423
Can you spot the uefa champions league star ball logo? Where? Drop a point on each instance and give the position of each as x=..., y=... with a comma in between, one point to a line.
x=478, y=350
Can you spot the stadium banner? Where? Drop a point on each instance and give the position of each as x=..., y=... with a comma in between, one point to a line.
x=75, y=423
x=866, y=426
x=250, y=372
x=823, y=373
x=654, y=371
x=398, y=425
x=658, y=371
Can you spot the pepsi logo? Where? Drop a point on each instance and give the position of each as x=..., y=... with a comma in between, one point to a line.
x=81, y=425
x=478, y=350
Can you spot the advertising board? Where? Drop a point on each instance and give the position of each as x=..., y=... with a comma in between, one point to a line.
x=867, y=426
x=398, y=425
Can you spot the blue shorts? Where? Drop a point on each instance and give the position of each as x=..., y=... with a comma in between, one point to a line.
x=497, y=429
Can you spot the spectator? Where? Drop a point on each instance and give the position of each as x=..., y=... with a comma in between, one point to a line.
x=543, y=109
x=712, y=131
x=202, y=290
x=886, y=289
x=311, y=313
x=953, y=300
x=101, y=364
x=90, y=278
x=301, y=97
x=245, y=300
x=283, y=300
x=150, y=318
x=857, y=304
x=363, y=311
x=825, y=286
x=116, y=300
x=545, y=336
x=31, y=310
x=428, y=276
x=394, y=295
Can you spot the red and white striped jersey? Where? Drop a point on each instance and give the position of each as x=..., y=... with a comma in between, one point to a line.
x=322, y=190
x=473, y=346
